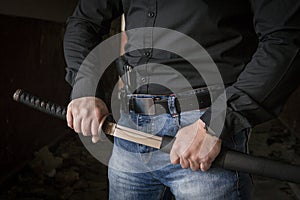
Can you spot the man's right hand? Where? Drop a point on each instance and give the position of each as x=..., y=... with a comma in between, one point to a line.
x=84, y=115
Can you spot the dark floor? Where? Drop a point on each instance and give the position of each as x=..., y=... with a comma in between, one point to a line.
x=273, y=140
x=68, y=171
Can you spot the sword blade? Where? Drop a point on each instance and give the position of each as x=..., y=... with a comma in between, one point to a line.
x=130, y=134
x=138, y=137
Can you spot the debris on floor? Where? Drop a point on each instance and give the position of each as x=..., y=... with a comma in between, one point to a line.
x=66, y=172
x=273, y=140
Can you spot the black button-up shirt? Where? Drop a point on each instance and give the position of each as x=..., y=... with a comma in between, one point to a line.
x=255, y=45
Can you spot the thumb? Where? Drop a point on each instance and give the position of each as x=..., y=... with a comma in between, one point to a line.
x=174, y=157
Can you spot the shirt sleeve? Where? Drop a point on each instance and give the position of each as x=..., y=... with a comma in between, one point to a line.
x=273, y=72
x=85, y=29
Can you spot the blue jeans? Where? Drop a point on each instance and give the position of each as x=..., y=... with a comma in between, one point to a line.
x=140, y=172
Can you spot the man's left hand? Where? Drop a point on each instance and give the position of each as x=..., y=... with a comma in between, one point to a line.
x=194, y=147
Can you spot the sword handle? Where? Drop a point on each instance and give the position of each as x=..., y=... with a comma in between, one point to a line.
x=40, y=104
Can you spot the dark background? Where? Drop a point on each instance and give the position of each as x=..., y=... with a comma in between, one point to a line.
x=31, y=54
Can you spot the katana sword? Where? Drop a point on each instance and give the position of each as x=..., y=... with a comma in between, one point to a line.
x=227, y=159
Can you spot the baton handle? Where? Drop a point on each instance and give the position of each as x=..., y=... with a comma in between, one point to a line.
x=227, y=159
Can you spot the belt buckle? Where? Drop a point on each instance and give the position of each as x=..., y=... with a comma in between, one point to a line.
x=145, y=105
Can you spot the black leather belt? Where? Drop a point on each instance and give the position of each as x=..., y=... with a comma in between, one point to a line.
x=159, y=104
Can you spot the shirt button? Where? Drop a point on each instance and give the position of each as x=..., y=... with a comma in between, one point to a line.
x=147, y=54
x=151, y=14
x=143, y=80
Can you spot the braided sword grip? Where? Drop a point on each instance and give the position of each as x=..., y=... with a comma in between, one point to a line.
x=40, y=104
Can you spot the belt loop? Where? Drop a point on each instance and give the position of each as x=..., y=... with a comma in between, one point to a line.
x=172, y=106
x=124, y=100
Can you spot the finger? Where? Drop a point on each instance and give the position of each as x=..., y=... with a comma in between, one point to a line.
x=95, y=138
x=205, y=166
x=194, y=165
x=211, y=156
x=95, y=132
x=208, y=145
x=174, y=156
x=77, y=124
x=94, y=128
x=86, y=127
x=184, y=163
x=70, y=116
x=174, y=159
x=98, y=113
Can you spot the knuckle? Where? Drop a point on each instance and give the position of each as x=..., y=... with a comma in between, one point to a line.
x=94, y=132
x=85, y=131
x=174, y=157
x=202, y=156
x=99, y=112
x=75, y=110
x=186, y=154
x=194, y=158
x=205, y=160
x=70, y=105
x=84, y=112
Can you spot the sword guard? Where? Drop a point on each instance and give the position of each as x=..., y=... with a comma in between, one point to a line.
x=107, y=125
